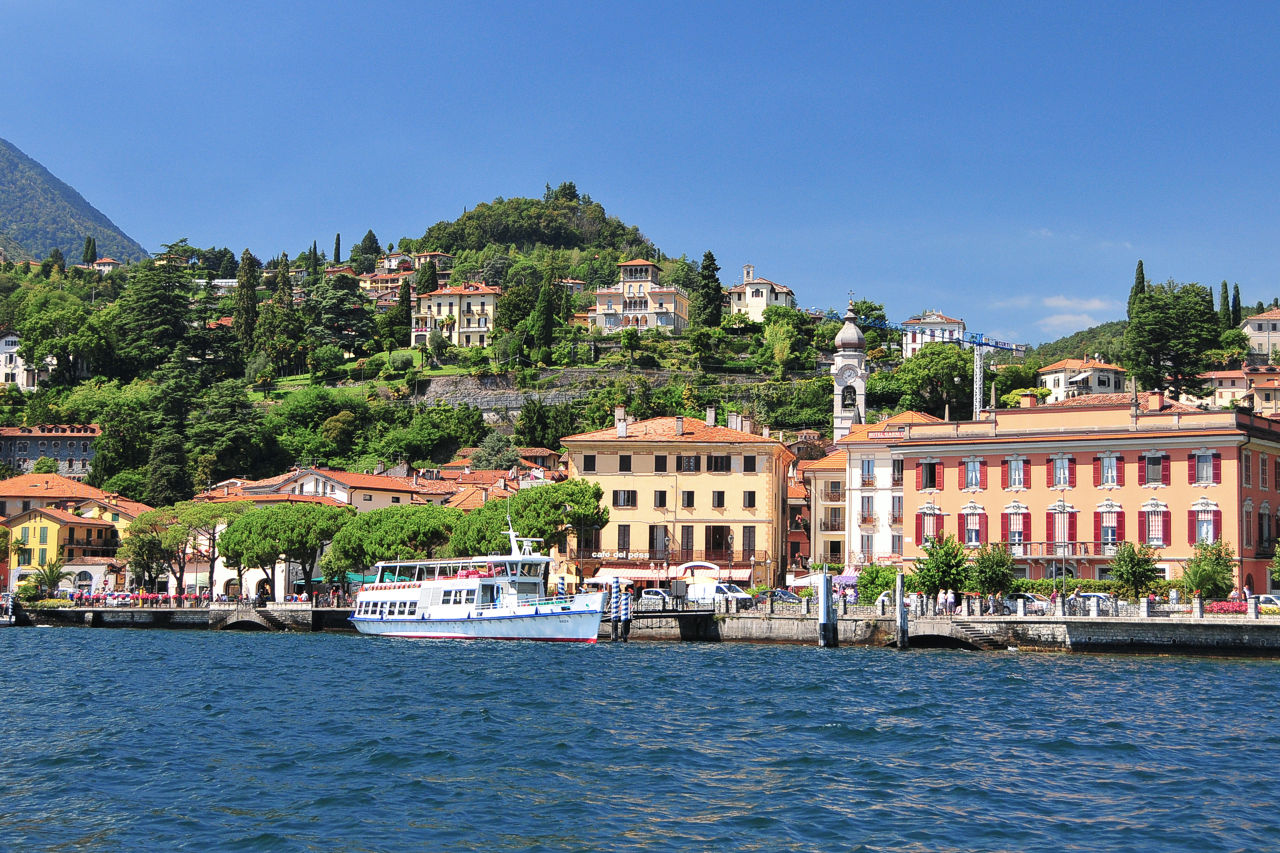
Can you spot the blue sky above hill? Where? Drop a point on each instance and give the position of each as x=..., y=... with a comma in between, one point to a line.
x=1006, y=163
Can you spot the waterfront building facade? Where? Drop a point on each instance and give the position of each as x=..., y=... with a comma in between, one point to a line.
x=682, y=490
x=1062, y=485
x=1263, y=332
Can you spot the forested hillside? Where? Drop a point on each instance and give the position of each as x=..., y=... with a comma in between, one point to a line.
x=40, y=213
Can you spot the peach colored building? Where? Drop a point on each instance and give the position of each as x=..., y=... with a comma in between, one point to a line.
x=1063, y=484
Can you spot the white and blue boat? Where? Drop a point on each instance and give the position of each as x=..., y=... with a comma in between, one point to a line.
x=498, y=597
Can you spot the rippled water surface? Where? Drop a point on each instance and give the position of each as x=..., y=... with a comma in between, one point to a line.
x=155, y=740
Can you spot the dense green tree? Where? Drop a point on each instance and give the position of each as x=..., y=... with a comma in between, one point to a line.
x=540, y=425
x=427, y=278
x=1139, y=287
x=559, y=222
x=45, y=465
x=391, y=533
x=90, y=251
x=227, y=436
x=337, y=248
x=1236, y=316
x=936, y=379
x=1211, y=571
x=152, y=318
x=202, y=523
x=1134, y=568
x=992, y=569
x=496, y=452
x=168, y=480
x=707, y=300
x=943, y=566
x=55, y=324
x=874, y=580
x=1224, y=308
x=337, y=315
x=49, y=575
x=549, y=513
x=296, y=532
x=1171, y=329
x=59, y=262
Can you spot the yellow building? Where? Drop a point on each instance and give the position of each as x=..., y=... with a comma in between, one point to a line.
x=38, y=537
x=640, y=301
x=680, y=490
x=463, y=314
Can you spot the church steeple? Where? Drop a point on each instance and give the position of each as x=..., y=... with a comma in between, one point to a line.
x=849, y=373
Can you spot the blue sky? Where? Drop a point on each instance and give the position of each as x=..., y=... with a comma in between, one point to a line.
x=1007, y=163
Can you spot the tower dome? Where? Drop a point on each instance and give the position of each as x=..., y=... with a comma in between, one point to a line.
x=850, y=336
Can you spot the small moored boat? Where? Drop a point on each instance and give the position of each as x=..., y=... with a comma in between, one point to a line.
x=497, y=597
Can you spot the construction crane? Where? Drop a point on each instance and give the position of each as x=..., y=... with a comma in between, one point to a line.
x=978, y=341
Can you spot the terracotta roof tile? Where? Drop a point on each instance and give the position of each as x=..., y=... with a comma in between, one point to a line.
x=664, y=429
x=861, y=433
x=47, y=486
x=638, y=262
x=1273, y=314
x=1118, y=400
x=1079, y=364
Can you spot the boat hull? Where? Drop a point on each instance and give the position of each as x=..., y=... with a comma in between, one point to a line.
x=563, y=627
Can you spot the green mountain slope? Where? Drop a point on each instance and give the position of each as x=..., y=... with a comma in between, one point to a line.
x=38, y=212
x=1106, y=339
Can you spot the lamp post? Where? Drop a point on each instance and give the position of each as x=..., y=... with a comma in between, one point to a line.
x=1062, y=526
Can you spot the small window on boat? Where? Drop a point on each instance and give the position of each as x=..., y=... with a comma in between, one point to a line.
x=413, y=608
x=400, y=608
x=471, y=596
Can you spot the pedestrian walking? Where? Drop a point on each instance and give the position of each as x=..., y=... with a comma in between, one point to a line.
x=951, y=602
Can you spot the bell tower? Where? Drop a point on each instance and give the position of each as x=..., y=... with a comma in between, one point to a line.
x=849, y=373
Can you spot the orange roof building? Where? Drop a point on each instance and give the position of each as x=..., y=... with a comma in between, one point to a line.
x=1077, y=377
x=70, y=445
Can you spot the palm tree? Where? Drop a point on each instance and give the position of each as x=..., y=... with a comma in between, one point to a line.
x=51, y=575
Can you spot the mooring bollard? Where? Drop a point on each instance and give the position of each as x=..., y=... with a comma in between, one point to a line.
x=1022, y=607
x=826, y=614
x=1253, y=607
x=1093, y=607
x=1144, y=607
x=1197, y=607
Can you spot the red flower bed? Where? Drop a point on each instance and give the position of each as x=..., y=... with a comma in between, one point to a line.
x=1229, y=607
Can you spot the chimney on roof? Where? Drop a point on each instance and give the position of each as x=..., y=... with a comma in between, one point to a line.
x=620, y=421
x=380, y=467
x=1028, y=400
x=711, y=415
x=764, y=432
x=1155, y=401
x=748, y=425
x=679, y=424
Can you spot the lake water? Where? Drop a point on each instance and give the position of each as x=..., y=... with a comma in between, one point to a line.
x=158, y=740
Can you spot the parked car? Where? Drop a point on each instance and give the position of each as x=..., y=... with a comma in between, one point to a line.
x=657, y=598
x=1106, y=603
x=711, y=593
x=781, y=596
x=1036, y=604
x=1268, y=600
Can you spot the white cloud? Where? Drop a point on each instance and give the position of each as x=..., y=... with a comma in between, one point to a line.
x=1067, y=322
x=1041, y=232
x=1068, y=304
x=1014, y=302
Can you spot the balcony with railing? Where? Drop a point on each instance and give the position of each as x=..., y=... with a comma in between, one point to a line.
x=868, y=481
x=866, y=519
x=832, y=496
x=895, y=519
x=832, y=525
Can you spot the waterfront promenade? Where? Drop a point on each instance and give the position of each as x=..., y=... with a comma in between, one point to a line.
x=1137, y=630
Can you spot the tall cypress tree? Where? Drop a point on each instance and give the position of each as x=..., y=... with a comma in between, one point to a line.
x=1236, y=315
x=405, y=305
x=337, y=248
x=284, y=283
x=1224, y=307
x=90, y=251
x=248, y=277
x=707, y=300
x=1139, y=287
x=427, y=279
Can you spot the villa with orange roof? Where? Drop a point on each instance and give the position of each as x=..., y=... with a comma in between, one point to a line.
x=680, y=490
x=640, y=301
x=1263, y=332
x=106, y=265
x=462, y=313
x=753, y=294
x=930, y=327
x=1074, y=377
x=41, y=535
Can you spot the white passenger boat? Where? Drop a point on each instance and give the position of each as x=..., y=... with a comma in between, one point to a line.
x=475, y=598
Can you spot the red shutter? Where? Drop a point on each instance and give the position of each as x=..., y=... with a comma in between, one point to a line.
x=1217, y=525
x=942, y=476
x=919, y=476
x=1119, y=470
x=1097, y=530
x=1167, y=521
x=1071, y=526
x=1026, y=527
x=982, y=474
x=1142, y=476
x=1191, y=468
x=1004, y=527
x=1165, y=464
x=1217, y=467
x=1143, y=527
x=1071, y=472
x=1097, y=471
x=1120, y=526
x=1004, y=474
x=919, y=525
x=1050, y=534
x=1048, y=473
x=1191, y=527
x=960, y=520
x=982, y=529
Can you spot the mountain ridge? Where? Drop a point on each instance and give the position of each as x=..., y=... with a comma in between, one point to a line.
x=40, y=212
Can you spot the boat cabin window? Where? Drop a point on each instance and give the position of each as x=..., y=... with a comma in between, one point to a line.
x=413, y=608
x=471, y=596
